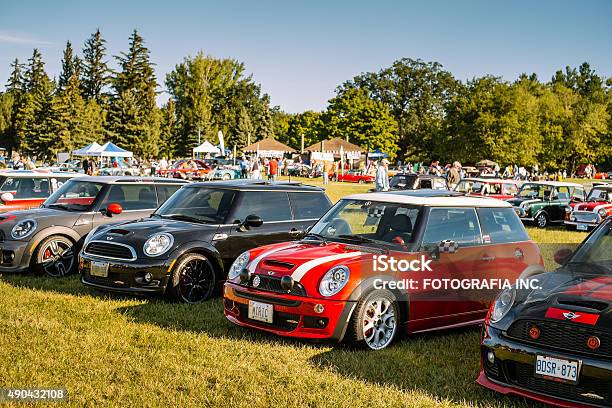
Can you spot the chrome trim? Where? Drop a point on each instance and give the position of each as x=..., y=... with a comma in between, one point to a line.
x=132, y=251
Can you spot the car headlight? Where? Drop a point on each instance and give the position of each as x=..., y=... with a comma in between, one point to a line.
x=334, y=280
x=502, y=305
x=239, y=264
x=602, y=213
x=158, y=244
x=24, y=229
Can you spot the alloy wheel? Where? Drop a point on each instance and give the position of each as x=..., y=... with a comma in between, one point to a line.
x=195, y=281
x=57, y=257
x=379, y=323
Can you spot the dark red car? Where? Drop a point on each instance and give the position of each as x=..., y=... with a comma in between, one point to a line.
x=334, y=284
x=554, y=344
x=353, y=176
x=187, y=169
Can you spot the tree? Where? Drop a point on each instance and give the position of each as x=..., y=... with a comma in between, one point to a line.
x=9, y=106
x=95, y=72
x=168, y=129
x=308, y=125
x=69, y=66
x=266, y=124
x=355, y=116
x=133, y=119
x=245, y=132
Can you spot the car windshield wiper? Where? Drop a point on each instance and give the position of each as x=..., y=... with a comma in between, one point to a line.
x=315, y=235
x=61, y=206
x=182, y=217
x=601, y=269
x=356, y=238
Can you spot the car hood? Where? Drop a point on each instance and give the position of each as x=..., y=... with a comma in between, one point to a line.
x=55, y=217
x=522, y=201
x=592, y=206
x=135, y=233
x=569, y=297
x=307, y=262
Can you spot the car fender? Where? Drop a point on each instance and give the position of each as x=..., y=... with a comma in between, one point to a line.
x=203, y=247
x=47, y=232
x=540, y=211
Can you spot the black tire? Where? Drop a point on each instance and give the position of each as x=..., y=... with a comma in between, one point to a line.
x=193, y=279
x=541, y=220
x=55, y=257
x=388, y=324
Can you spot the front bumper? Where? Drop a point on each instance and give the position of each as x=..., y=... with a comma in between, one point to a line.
x=576, y=224
x=293, y=316
x=512, y=373
x=127, y=276
x=15, y=256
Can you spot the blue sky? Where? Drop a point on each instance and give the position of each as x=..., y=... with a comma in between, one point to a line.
x=301, y=51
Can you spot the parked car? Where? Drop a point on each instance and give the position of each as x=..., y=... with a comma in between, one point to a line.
x=186, y=169
x=324, y=286
x=47, y=239
x=69, y=166
x=588, y=215
x=544, y=202
x=489, y=187
x=554, y=344
x=353, y=176
x=299, y=170
x=23, y=189
x=224, y=173
x=413, y=181
x=184, y=249
x=119, y=171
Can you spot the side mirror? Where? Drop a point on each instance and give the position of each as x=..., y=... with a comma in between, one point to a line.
x=113, y=209
x=252, y=221
x=7, y=197
x=562, y=255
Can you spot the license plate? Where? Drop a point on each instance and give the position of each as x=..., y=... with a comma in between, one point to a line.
x=99, y=269
x=582, y=227
x=557, y=369
x=261, y=311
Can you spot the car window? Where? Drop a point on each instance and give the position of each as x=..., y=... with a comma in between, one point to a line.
x=455, y=224
x=270, y=206
x=439, y=184
x=165, y=191
x=77, y=195
x=57, y=182
x=509, y=189
x=578, y=194
x=425, y=183
x=500, y=225
x=308, y=205
x=26, y=187
x=132, y=197
x=562, y=193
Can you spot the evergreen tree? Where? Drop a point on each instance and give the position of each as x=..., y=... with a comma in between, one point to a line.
x=245, y=132
x=266, y=124
x=16, y=80
x=11, y=101
x=95, y=72
x=168, y=129
x=68, y=66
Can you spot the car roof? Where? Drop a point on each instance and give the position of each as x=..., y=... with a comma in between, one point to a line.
x=258, y=185
x=426, y=192
x=430, y=201
x=603, y=187
x=130, y=179
x=37, y=174
x=490, y=180
x=555, y=183
x=418, y=175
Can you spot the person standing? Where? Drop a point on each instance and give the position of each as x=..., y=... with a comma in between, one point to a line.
x=272, y=169
x=256, y=170
x=454, y=177
x=327, y=168
x=85, y=166
x=382, y=175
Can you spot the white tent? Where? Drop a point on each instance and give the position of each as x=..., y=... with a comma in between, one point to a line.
x=89, y=150
x=206, y=147
x=109, y=149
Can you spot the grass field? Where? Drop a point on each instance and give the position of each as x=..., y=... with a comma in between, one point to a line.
x=122, y=351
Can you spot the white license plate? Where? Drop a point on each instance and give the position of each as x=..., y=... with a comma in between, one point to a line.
x=557, y=368
x=582, y=227
x=261, y=311
x=99, y=269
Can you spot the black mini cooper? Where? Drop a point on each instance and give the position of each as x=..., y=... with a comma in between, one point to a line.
x=185, y=247
x=554, y=344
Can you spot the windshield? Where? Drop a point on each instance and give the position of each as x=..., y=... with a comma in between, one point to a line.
x=74, y=196
x=470, y=186
x=402, y=181
x=368, y=221
x=598, y=194
x=594, y=256
x=535, y=191
x=198, y=204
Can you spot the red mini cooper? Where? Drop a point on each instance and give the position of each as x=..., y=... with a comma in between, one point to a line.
x=383, y=264
x=494, y=188
x=588, y=215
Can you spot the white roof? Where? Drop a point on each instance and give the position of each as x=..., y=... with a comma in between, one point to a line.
x=206, y=147
x=490, y=180
x=554, y=183
x=461, y=201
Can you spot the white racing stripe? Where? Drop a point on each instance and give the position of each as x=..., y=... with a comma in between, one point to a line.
x=307, y=266
x=253, y=264
x=601, y=206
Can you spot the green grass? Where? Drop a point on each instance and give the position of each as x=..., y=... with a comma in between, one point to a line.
x=122, y=351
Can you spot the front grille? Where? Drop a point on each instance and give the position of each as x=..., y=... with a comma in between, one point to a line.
x=110, y=250
x=272, y=284
x=563, y=336
x=585, y=216
x=281, y=320
x=523, y=376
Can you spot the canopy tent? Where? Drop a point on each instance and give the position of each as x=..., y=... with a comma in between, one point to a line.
x=486, y=163
x=109, y=149
x=377, y=154
x=268, y=148
x=206, y=147
x=333, y=146
x=90, y=150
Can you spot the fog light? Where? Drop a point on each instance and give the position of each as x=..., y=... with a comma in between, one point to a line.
x=491, y=357
x=244, y=276
x=319, y=308
x=148, y=277
x=321, y=323
x=286, y=283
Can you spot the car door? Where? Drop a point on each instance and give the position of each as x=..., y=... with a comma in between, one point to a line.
x=307, y=208
x=137, y=200
x=273, y=208
x=560, y=198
